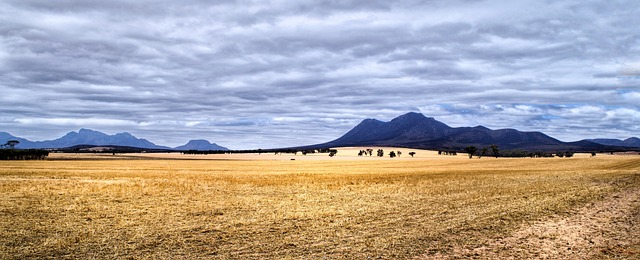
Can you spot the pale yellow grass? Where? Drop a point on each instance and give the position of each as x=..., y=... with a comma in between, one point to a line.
x=157, y=206
x=349, y=153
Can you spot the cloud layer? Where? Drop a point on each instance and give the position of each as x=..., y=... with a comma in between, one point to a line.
x=256, y=74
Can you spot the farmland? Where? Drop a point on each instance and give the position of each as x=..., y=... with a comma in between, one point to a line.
x=270, y=206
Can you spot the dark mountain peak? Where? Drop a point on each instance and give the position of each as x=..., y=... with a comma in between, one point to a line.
x=92, y=135
x=632, y=139
x=200, y=144
x=124, y=134
x=483, y=128
x=87, y=131
x=199, y=141
x=370, y=121
x=414, y=118
x=410, y=126
x=632, y=142
x=410, y=116
x=72, y=133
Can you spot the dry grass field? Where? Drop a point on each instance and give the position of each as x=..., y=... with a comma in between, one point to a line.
x=316, y=207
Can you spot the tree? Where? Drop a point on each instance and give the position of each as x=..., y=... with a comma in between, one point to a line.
x=412, y=154
x=399, y=153
x=11, y=144
x=484, y=151
x=380, y=153
x=471, y=150
x=495, y=150
x=392, y=154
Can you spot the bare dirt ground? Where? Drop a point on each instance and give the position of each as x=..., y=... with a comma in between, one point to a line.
x=609, y=228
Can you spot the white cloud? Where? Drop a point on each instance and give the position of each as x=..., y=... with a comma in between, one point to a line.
x=632, y=115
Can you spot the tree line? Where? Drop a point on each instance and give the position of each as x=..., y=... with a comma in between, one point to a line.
x=29, y=154
x=493, y=150
x=8, y=152
x=331, y=152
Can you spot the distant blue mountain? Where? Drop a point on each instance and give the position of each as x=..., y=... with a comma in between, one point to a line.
x=91, y=137
x=629, y=142
x=84, y=137
x=4, y=137
x=201, y=145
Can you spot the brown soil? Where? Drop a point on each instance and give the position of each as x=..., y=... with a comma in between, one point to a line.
x=605, y=229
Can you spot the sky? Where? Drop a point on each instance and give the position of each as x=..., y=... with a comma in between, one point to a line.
x=266, y=74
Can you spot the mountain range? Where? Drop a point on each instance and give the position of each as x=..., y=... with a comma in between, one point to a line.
x=411, y=130
x=414, y=130
x=91, y=137
x=629, y=142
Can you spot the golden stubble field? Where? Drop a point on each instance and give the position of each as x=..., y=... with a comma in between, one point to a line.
x=269, y=206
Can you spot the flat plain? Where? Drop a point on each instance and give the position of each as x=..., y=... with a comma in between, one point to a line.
x=142, y=206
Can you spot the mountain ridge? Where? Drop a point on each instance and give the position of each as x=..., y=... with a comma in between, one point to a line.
x=91, y=137
x=414, y=130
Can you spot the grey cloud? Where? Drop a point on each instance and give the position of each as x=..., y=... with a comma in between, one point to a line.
x=440, y=71
x=294, y=72
x=558, y=121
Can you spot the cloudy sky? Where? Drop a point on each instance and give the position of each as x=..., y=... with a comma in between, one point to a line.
x=260, y=74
